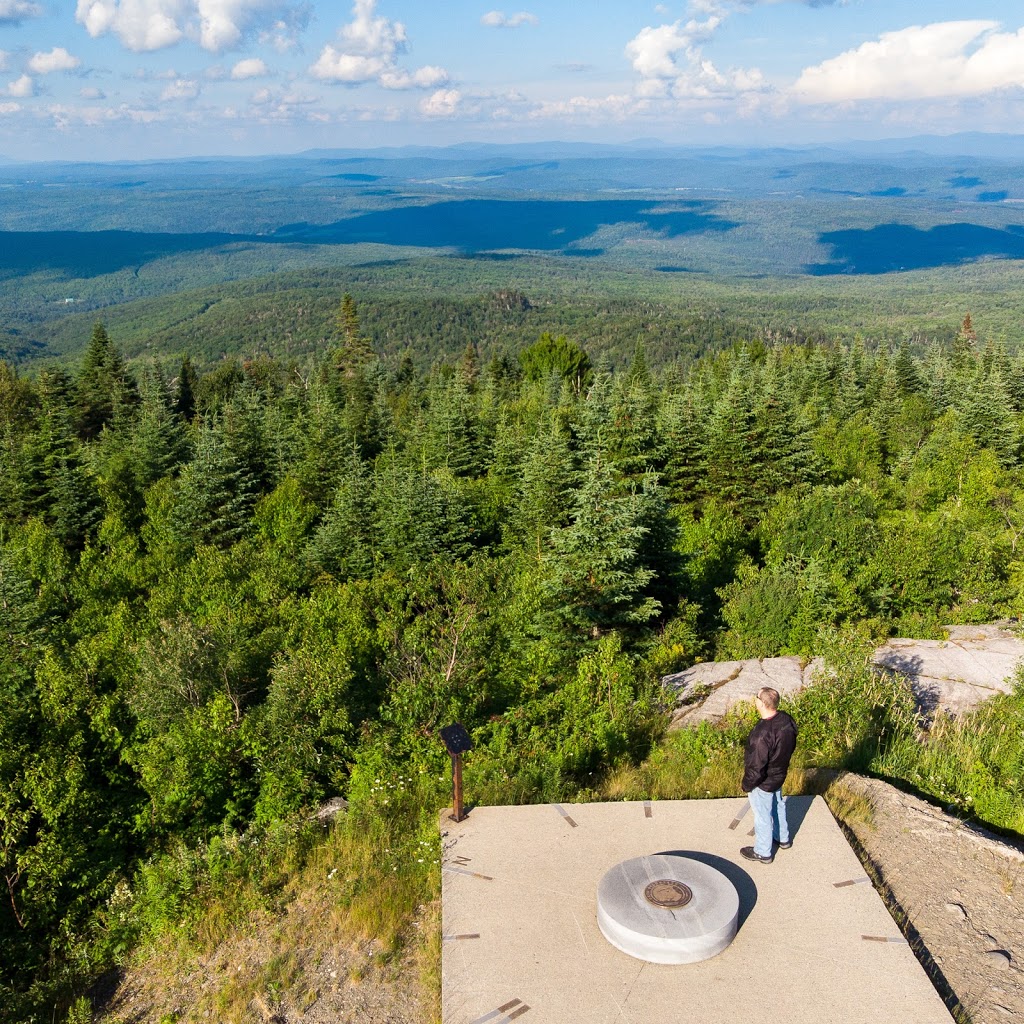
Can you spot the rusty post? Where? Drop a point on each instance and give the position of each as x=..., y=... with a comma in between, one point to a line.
x=458, y=814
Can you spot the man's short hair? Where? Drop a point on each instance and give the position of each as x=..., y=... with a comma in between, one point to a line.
x=769, y=698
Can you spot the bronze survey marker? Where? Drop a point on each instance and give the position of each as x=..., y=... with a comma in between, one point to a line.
x=668, y=893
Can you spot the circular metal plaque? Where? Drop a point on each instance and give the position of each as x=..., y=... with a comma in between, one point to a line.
x=668, y=893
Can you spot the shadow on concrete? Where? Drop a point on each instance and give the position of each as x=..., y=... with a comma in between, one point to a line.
x=741, y=881
x=796, y=810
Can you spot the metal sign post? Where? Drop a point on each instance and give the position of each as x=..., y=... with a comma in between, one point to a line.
x=457, y=741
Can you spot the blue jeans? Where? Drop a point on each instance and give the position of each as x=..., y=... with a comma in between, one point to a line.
x=769, y=820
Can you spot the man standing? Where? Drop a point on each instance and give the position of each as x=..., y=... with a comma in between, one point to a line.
x=770, y=746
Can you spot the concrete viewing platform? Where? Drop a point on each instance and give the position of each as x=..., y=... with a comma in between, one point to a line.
x=521, y=941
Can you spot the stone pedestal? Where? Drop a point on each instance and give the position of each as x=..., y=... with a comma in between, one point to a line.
x=667, y=909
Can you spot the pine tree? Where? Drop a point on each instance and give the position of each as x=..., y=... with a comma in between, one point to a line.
x=186, y=387
x=353, y=349
x=215, y=496
x=684, y=424
x=905, y=369
x=469, y=367
x=541, y=504
x=58, y=486
x=343, y=544
x=451, y=439
x=965, y=344
x=988, y=417
x=595, y=577
x=157, y=439
x=104, y=388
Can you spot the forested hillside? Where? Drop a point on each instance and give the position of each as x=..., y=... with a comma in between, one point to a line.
x=227, y=596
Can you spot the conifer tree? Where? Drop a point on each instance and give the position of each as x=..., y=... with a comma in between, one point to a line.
x=215, y=495
x=58, y=487
x=353, y=349
x=541, y=504
x=104, y=388
x=343, y=544
x=157, y=439
x=451, y=439
x=595, y=577
x=684, y=425
x=988, y=417
x=965, y=344
x=186, y=387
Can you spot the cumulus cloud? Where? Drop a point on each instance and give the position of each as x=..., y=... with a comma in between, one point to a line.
x=91, y=116
x=443, y=103
x=58, y=59
x=144, y=25
x=9, y=108
x=499, y=19
x=947, y=59
x=427, y=77
x=589, y=108
x=368, y=51
x=12, y=12
x=180, y=89
x=90, y=92
x=22, y=87
x=139, y=24
x=251, y=67
x=671, y=63
x=283, y=33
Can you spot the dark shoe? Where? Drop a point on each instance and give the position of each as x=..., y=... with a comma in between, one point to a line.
x=785, y=846
x=748, y=852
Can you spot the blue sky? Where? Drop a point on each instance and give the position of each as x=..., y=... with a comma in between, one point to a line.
x=121, y=79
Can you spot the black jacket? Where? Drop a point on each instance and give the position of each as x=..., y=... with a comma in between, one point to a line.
x=770, y=745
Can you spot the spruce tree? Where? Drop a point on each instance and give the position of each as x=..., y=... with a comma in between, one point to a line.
x=595, y=578
x=215, y=495
x=343, y=544
x=158, y=442
x=541, y=504
x=186, y=387
x=353, y=350
x=104, y=388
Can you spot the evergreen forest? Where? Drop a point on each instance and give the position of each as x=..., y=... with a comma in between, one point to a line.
x=231, y=591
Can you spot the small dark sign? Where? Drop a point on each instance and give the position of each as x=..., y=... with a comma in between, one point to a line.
x=456, y=739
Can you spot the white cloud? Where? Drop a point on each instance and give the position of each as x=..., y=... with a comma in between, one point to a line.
x=428, y=77
x=143, y=25
x=14, y=11
x=93, y=116
x=351, y=68
x=368, y=51
x=655, y=52
x=139, y=24
x=498, y=19
x=58, y=59
x=589, y=108
x=944, y=59
x=671, y=63
x=90, y=92
x=251, y=67
x=443, y=103
x=181, y=89
x=283, y=33
x=22, y=87
x=9, y=108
